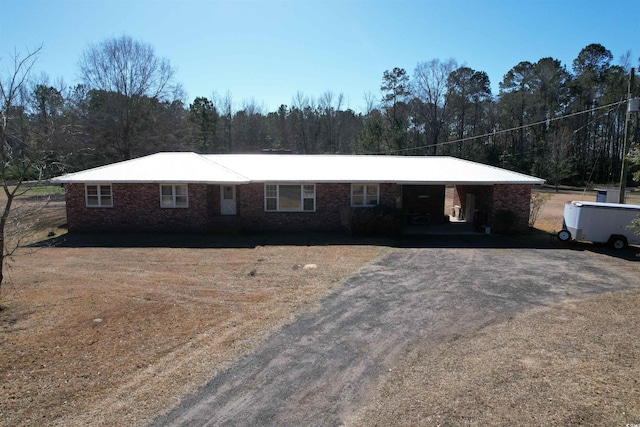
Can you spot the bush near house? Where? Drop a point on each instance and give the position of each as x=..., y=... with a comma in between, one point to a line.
x=375, y=221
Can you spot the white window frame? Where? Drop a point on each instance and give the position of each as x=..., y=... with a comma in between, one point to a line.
x=365, y=194
x=173, y=204
x=307, y=192
x=99, y=195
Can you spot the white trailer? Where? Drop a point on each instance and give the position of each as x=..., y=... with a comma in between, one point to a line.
x=600, y=223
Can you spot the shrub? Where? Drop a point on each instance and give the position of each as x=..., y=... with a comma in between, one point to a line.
x=538, y=200
x=375, y=221
x=635, y=225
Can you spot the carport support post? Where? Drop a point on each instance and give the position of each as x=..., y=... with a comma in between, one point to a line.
x=625, y=143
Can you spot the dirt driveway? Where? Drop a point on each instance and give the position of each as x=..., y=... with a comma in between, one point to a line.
x=321, y=368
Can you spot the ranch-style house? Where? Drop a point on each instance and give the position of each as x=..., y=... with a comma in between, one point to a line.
x=180, y=191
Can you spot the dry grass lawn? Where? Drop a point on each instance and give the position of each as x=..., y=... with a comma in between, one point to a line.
x=116, y=335
x=576, y=363
x=550, y=218
x=132, y=329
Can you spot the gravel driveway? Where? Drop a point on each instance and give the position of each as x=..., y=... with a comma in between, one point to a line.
x=320, y=368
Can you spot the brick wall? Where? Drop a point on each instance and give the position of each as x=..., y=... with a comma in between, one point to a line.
x=514, y=198
x=497, y=199
x=330, y=198
x=136, y=207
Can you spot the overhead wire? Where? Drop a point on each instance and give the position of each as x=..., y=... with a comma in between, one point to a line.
x=494, y=133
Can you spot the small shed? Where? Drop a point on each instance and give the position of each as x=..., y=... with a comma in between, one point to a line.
x=607, y=195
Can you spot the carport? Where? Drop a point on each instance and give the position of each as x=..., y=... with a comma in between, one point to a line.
x=424, y=204
x=503, y=207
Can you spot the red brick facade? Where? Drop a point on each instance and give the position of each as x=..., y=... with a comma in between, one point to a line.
x=500, y=202
x=136, y=207
x=329, y=199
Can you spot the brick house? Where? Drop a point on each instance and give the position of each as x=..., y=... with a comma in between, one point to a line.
x=193, y=192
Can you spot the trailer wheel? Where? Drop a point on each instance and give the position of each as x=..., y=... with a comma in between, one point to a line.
x=618, y=242
x=564, y=235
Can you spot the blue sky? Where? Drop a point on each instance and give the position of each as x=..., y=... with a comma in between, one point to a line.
x=266, y=51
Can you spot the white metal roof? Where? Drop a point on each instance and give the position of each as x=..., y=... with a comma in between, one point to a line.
x=244, y=168
x=351, y=168
x=156, y=168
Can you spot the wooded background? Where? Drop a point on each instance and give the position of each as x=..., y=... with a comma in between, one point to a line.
x=564, y=125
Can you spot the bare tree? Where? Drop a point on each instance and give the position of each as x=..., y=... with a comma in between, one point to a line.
x=19, y=159
x=430, y=87
x=250, y=133
x=46, y=101
x=328, y=106
x=626, y=60
x=303, y=113
x=125, y=76
x=224, y=105
x=127, y=67
x=370, y=102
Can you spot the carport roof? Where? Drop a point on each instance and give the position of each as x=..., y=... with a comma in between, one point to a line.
x=275, y=168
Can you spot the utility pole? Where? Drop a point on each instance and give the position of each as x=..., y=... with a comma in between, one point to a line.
x=625, y=143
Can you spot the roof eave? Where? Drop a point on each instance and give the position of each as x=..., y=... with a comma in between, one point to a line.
x=173, y=181
x=61, y=180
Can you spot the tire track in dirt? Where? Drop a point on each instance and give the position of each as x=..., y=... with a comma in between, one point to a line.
x=320, y=368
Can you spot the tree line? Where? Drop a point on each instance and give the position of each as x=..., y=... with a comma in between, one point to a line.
x=564, y=125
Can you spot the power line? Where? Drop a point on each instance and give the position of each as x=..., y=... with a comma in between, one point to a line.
x=494, y=133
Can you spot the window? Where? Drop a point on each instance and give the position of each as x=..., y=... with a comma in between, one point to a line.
x=290, y=197
x=365, y=194
x=98, y=196
x=174, y=196
x=228, y=193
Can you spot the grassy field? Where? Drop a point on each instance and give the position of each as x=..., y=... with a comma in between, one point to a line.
x=36, y=214
x=550, y=218
x=102, y=335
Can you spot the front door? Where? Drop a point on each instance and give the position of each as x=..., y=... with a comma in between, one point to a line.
x=227, y=199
